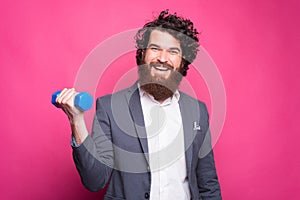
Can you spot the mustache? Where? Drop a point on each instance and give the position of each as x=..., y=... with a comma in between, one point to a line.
x=160, y=64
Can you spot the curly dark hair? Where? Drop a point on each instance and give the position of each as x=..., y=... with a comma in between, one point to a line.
x=180, y=28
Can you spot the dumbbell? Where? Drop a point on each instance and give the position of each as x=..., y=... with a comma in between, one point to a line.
x=82, y=101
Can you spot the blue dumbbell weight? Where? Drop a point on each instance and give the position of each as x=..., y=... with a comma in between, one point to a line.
x=82, y=101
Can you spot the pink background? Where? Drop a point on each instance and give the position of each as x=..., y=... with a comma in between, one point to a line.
x=254, y=43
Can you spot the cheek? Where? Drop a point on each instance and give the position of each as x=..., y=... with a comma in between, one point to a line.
x=148, y=57
x=176, y=62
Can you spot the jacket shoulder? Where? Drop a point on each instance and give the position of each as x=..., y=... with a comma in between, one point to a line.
x=192, y=100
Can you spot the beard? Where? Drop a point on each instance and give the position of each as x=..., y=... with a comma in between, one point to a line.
x=158, y=86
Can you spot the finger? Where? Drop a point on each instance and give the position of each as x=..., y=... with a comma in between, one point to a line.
x=59, y=97
x=68, y=97
x=65, y=92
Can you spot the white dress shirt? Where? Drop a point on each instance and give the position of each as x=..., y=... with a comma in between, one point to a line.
x=164, y=129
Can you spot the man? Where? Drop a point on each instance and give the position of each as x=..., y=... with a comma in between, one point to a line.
x=149, y=141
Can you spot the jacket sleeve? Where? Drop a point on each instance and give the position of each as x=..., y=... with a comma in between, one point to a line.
x=94, y=158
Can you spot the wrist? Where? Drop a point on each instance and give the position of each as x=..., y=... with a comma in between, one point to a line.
x=77, y=119
x=78, y=127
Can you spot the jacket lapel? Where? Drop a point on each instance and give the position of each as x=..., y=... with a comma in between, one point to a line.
x=135, y=108
x=187, y=110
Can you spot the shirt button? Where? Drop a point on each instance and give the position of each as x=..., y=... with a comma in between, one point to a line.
x=146, y=195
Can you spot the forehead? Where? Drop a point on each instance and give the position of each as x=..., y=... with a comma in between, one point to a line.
x=163, y=39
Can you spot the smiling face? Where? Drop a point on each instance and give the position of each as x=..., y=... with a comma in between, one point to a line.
x=159, y=75
x=163, y=54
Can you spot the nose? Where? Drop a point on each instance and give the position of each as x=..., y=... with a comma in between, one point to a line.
x=162, y=57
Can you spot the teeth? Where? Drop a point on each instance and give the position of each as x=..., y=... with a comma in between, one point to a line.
x=161, y=68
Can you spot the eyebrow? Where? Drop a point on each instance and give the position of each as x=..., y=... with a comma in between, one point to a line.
x=155, y=45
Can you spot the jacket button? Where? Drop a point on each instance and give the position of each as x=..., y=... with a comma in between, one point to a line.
x=146, y=195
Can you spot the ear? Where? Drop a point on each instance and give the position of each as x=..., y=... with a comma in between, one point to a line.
x=143, y=53
x=182, y=59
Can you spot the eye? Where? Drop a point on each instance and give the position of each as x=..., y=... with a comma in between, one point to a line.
x=154, y=49
x=174, y=52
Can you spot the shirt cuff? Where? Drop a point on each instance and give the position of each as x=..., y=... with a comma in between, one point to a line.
x=73, y=142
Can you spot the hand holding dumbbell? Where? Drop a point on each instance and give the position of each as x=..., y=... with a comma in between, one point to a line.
x=83, y=100
x=74, y=104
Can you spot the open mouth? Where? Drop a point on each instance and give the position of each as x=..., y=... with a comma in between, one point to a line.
x=161, y=67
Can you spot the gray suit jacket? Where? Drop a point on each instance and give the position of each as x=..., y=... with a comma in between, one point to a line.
x=117, y=151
